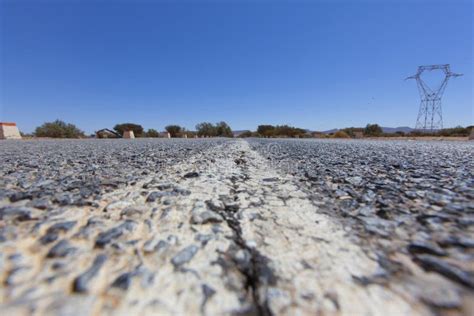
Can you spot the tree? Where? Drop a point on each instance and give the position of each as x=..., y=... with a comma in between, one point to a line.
x=223, y=130
x=58, y=129
x=174, y=130
x=289, y=131
x=373, y=130
x=281, y=131
x=152, y=133
x=136, y=128
x=266, y=130
x=206, y=129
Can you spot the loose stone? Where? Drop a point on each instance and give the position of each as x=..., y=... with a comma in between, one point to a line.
x=16, y=213
x=184, y=256
x=454, y=273
x=81, y=283
x=61, y=249
x=191, y=175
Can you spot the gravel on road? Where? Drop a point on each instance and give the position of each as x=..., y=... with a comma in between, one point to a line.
x=232, y=226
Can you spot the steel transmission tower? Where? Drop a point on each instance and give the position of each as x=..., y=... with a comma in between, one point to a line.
x=430, y=116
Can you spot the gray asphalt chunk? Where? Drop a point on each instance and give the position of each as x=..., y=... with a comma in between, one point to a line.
x=457, y=274
x=81, y=283
x=15, y=213
x=61, y=249
x=185, y=255
x=62, y=226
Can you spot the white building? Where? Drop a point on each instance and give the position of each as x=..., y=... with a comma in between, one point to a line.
x=9, y=131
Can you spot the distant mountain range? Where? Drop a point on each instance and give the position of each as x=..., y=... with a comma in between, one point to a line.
x=404, y=129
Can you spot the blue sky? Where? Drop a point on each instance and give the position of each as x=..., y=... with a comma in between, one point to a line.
x=313, y=64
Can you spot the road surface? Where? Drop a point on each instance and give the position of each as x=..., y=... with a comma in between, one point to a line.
x=233, y=226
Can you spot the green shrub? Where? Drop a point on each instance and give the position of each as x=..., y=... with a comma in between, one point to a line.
x=266, y=130
x=352, y=131
x=58, y=129
x=457, y=131
x=341, y=134
x=152, y=133
x=373, y=130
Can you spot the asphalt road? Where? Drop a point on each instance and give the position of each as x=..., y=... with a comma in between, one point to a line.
x=222, y=226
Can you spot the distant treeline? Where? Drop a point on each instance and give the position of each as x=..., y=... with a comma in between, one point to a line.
x=374, y=130
x=60, y=129
x=277, y=131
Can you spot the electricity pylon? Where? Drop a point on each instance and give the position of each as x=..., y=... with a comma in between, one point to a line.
x=430, y=116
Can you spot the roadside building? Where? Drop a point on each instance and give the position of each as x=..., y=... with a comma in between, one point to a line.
x=107, y=133
x=128, y=134
x=9, y=131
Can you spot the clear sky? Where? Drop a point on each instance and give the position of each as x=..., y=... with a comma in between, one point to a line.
x=311, y=64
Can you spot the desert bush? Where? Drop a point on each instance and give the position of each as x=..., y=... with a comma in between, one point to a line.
x=351, y=131
x=341, y=134
x=152, y=133
x=266, y=130
x=373, y=130
x=457, y=131
x=58, y=129
x=419, y=133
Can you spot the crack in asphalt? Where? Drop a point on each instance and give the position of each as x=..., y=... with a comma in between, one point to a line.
x=258, y=275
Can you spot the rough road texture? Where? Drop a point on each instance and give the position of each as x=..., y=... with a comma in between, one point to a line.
x=264, y=227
